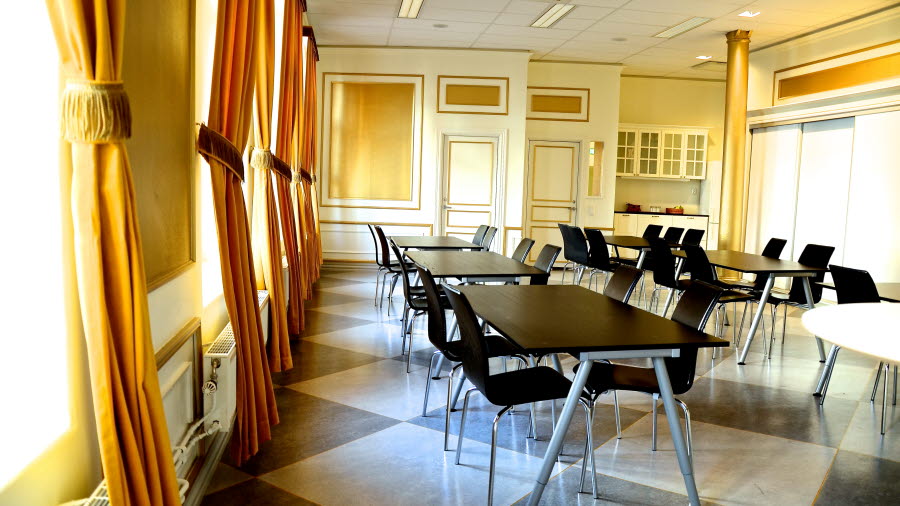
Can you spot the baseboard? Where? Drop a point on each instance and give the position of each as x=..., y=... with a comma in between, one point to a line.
x=204, y=477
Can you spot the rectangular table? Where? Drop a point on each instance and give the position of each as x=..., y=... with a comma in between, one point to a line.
x=432, y=242
x=888, y=292
x=773, y=267
x=474, y=265
x=572, y=319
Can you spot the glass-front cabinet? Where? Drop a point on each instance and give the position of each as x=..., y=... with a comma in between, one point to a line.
x=662, y=152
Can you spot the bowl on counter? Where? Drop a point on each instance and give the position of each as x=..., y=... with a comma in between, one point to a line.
x=672, y=210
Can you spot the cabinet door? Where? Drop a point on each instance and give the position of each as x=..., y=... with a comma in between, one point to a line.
x=648, y=153
x=688, y=222
x=625, y=224
x=672, y=154
x=625, y=152
x=695, y=156
x=652, y=219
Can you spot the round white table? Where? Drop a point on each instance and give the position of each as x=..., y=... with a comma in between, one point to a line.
x=870, y=328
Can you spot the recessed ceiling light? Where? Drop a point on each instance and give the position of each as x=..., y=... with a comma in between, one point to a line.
x=682, y=27
x=439, y=25
x=552, y=15
x=702, y=57
x=410, y=8
x=748, y=14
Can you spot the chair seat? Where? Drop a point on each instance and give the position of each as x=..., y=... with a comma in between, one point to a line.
x=496, y=345
x=526, y=385
x=419, y=303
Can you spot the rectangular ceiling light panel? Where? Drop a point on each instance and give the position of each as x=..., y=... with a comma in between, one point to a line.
x=410, y=9
x=552, y=15
x=682, y=27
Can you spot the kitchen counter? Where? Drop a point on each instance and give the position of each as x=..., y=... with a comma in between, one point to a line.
x=661, y=213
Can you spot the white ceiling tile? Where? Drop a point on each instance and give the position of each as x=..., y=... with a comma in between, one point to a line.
x=426, y=42
x=782, y=17
x=433, y=34
x=527, y=31
x=835, y=6
x=686, y=8
x=593, y=13
x=438, y=14
x=600, y=3
x=317, y=20
x=472, y=5
x=567, y=23
x=527, y=7
x=357, y=8
x=428, y=24
x=614, y=28
x=509, y=18
x=645, y=18
x=511, y=42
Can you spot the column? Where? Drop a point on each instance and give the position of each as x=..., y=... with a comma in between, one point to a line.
x=732, y=219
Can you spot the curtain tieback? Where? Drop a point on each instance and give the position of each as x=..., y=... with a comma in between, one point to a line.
x=262, y=159
x=95, y=112
x=296, y=177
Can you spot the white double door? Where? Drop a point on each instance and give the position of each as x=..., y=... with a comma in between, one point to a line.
x=552, y=191
x=471, y=188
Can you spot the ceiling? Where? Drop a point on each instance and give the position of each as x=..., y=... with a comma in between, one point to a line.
x=608, y=31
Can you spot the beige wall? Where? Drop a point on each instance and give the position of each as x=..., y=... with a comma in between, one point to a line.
x=603, y=81
x=677, y=102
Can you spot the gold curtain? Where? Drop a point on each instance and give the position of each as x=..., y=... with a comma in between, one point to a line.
x=307, y=197
x=134, y=441
x=231, y=101
x=289, y=105
x=265, y=234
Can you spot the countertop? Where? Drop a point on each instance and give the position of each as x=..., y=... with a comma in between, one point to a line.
x=661, y=213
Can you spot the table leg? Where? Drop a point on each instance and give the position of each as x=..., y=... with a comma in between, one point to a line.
x=640, y=265
x=809, y=302
x=757, y=317
x=681, y=450
x=560, y=433
x=679, y=264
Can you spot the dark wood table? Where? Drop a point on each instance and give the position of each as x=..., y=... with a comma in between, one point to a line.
x=473, y=265
x=888, y=292
x=591, y=326
x=433, y=242
x=774, y=268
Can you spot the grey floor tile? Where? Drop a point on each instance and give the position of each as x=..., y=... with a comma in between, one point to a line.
x=318, y=322
x=254, y=493
x=309, y=426
x=312, y=360
x=322, y=298
x=226, y=476
x=861, y=479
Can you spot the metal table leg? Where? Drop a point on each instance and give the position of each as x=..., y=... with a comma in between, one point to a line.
x=829, y=366
x=809, y=302
x=560, y=433
x=757, y=317
x=681, y=450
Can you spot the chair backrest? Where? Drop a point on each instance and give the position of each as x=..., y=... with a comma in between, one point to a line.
x=545, y=260
x=478, y=238
x=437, y=321
x=774, y=248
x=673, y=234
x=403, y=268
x=598, y=254
x=853, y=286
x=698, y=264
x=385, y=250
x=662, y=262
x=622, y=283
x=652, y=231
x=693, y=309
x=813, y=255
x=488, y=238
x=574, y=243
x=522, y=250
x=693, y=236
x=377, y=246
x=475, y=356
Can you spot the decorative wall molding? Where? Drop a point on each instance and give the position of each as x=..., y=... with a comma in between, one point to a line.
x=473, y=95
x=558, y=104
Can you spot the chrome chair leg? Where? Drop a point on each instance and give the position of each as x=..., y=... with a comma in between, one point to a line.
x=462, y=423
x=830, y=364
x=562, y=279
x=877, y=377
x=687, y=429
x=783, y=323
x=653, y=441
x=428, y=379
x=895, y=385
x=493, y=454
x=448, y=408
x=887, y=369
x=618, y=418
x=412, y=324
x=588, y=448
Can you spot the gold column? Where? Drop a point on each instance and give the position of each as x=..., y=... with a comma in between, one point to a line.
x=731, y=220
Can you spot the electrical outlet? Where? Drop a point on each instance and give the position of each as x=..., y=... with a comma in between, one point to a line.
x=693, y=191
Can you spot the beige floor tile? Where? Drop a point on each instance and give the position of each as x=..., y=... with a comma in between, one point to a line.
x=730, y=466
x=379, y=339
x=406, y=464
x=864, y=433
x=381, y=387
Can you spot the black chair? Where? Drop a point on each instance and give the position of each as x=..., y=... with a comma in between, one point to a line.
x=478, y=238
x=506, y=389
x=663, y=266
x=522, y=250
x=451, y=350
x=622, y=283
x=378, y=261
x=694, y=309
x=414, y=302
x=575, y=251
x=598, y=256
x=702, y=270
x=772, y=249
x=853, y=286
x=389, y=266
x=652, y=231
x=488, y=238
x=813, y=255
x=693, y=236
x=545, y=260
x=673, y=235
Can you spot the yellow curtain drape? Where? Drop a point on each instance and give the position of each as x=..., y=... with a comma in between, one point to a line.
x=230, y=107
x=289, y=104
x=265, y=233
x=306, y=195
x=135, y=450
